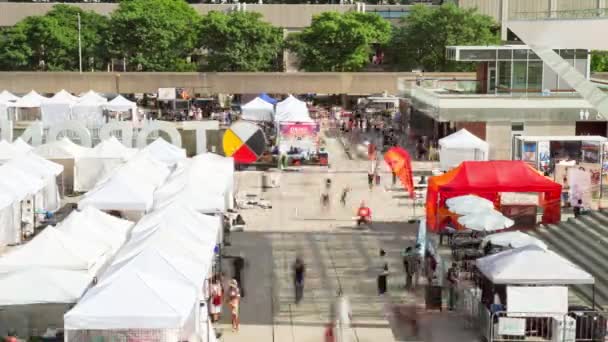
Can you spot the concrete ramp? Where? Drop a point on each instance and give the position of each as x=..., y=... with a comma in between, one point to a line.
x=563, y=33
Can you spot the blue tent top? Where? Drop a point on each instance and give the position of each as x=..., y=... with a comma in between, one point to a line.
x=267, y=98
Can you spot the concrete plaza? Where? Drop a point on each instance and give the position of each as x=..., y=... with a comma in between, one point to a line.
x=336, y=253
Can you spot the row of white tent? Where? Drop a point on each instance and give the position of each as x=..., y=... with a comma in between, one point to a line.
x=64, y=106
x=42, y=278
x=86, y=166
x=289, y=110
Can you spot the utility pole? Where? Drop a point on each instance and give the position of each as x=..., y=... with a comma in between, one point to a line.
x=79, y=46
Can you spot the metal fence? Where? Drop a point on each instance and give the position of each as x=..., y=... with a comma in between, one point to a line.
x=565, y=14
x=502, y=326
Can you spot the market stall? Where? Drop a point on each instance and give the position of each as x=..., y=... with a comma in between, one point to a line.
x=89, y=109
x=461, y=146
x=58, y=108
x=488, y=179
x=121, y=108
x=292, y=110
x=258, y=110
x=63, y=152
x=27, y=108
x=165, y=152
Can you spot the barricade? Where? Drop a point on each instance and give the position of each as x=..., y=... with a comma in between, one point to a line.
x=575, y=326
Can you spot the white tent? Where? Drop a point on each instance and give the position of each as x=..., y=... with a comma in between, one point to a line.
x=257, y=110
x=165, y=152
x=9, y=231
x=488, y=221
x=531, y=265
x=8, y=151
x=468, y=204
x=54, y=249
x=22, y=146
x=100, y=162
x=42, y=286
x=135, y=300
x=63, y=148
x=28, y=107
x=58, y=108
x=47, y=171
x=89, y=108
x=514, y=239
x=461, y=146
x=7, y=96
x=4, y=105
x=121, y=104
x=92, y=224
x=292, y=110
x=30, y=100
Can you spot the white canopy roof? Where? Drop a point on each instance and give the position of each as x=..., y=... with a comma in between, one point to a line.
x=42, y=286
x=22, y=146
x=93, y=224
x=165, y=152
x=53, y=249
x=6, y=96
x=468, y=204
x=36, y=165
x=92, y=97
x=89, y=108
x=8, y=151
x=18, y=183
x=112, y=148
x=531, y=265
x=292, y=110
x=257, y=110
x=30, y=100
x=63, y=148
x=64, y=97
x=463, y=139
x=134, y=300
x=490, y=220
x=121, y=104
x=514, y=239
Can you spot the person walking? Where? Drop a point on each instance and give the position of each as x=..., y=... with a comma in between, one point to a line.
x=407, y=267
x=383, y=273
x=299, y=270
x=345, y=192
x=239, y=267
x=453, y=280
x=234, y=300
x=215, y=303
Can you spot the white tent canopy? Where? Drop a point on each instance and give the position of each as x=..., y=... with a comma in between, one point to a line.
x=42, y=286
x=46, y=171
x=121, y=104
x=8, y=151
x=134, y=300
x=531, y=265
x=95, y=225
x=64, y=95
x=54, y=249
x=89, y=108
x=490, y=220
x=63, y=148
x=165, y=152
x=30, y=100
x=22, y=146
x=461, y=146
x=112, y=148
x=7, y=96
x=468, y=204
x=292, y=110
x=257, y=110
x=58, y=108
x=514, y=239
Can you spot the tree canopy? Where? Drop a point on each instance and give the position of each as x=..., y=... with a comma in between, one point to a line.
x=421, y=41
x=239, y=41
x=50, y=42
x=339, y=41
x=599, y=61
x=154, y=35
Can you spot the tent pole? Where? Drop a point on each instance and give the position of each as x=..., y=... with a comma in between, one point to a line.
x=593, y=297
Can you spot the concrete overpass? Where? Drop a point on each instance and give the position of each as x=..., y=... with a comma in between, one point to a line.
x=288, y=16
x=353, y=83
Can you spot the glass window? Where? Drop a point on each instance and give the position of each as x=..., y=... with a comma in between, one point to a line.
x=520, y=54
x=505, y=55
x=581, y=54
x=533, y=56
x=519, y=75
x=517, y=126
x=535, y=76
x=477, y=55
x=567, y=54
x=504, y=76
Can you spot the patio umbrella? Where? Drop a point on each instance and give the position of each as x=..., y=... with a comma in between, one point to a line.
x=490, y=220
x=513, y=240
x=469, y=204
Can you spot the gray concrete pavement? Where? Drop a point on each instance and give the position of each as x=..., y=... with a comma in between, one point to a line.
x=337, y=255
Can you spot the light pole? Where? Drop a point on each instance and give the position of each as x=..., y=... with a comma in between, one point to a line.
x=79, y=46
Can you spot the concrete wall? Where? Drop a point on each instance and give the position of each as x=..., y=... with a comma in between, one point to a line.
x=499, y=136
x=281, y=15
x=213, y=83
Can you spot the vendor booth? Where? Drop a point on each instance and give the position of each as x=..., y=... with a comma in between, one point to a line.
x=58, y=108
x=89, y=109
x=165, y=152
x=257, y=110
x=120, y=108
x=488, y=179
x=27, y=108
x=63, y=152
x=461, y=146
x=292, y=110
x=268, y=98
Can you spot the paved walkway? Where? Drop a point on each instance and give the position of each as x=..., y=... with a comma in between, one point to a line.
x=337, y=255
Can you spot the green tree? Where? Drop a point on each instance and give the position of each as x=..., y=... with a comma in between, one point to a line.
x=239, y=41
x=50, y=42
x=339, y=42
x=421, y=41
x=599, y=61
x=154, y=35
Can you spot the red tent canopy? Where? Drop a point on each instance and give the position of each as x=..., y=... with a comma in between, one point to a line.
x=487, y=179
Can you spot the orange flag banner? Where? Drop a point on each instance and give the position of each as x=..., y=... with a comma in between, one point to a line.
x=400, y=163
